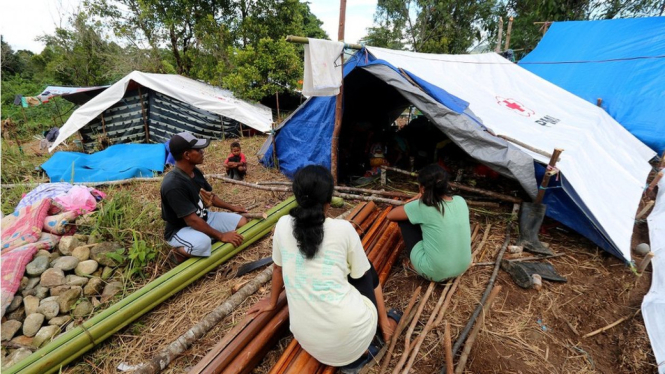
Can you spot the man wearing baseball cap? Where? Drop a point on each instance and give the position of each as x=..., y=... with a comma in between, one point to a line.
x=186, y=195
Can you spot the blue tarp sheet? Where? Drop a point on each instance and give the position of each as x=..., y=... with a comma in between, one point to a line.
x=621, y=61
x=121, y=161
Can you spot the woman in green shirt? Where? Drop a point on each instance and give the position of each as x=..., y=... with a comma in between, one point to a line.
x=435, y=227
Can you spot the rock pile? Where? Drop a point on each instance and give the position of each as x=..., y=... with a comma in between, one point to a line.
x=60, y=288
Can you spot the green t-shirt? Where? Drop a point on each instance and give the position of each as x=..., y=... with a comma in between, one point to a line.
x=445, y=251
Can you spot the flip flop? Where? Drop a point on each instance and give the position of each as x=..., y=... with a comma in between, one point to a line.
x=176, y=258
x=395, y=314
x=357, y=365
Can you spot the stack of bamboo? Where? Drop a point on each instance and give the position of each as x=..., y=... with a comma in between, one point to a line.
x=247, y=343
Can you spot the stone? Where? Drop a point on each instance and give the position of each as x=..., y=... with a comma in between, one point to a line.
x=82, y=253
x=17, y=301
x=81, y=238
x=33, y=322
x=60, y=320
x=24, y=283
x=67, y=244
x=94, y=287
x=23, y=340
x=100, y=253
x=32, y=283
x=94, y=239
x=30, y=303
x=15, y=357
x=110, y=290
x=86, y=267
x=54, y=255
x=43, y=252
x=83, y=309
x=37, y=266
x=9, y=329
x=95, y=302
x=642, y=249
x=97, y=273
x=40, y=292
x=17, y=315
x=49, y=309
x=47, y=299
x=44, y=335
x=67, y=299
x=65, y=263
x=107, y=273
x=57, y=291
x=52, y=277
x=75, y=280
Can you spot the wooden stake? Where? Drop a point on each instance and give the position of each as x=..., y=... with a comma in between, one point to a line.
x=645, y=210
x=547, y=176
x=338, y=102
x=599, y=101
x=409, y=332
x=510, y=29
x=400, y=327
x=145, y=118
x=645, y=262
x=499, y=36
x=447, y=346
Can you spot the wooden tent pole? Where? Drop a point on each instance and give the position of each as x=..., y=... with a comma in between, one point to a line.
x=340, y=96
x=546, y=177
x=145, y=118
x=498, y=39
x=508, y=31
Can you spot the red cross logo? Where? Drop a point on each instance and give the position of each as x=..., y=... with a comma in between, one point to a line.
x=515, y=106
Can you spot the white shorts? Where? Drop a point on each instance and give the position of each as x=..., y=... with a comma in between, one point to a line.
x=199, y=244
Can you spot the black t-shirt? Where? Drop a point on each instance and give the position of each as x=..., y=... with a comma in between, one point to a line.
x=180, y=198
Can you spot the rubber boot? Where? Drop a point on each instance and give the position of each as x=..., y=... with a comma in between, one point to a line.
x=531, y=218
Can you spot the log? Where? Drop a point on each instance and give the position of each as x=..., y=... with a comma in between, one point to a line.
x=285, y=358
x=247, y=184
x=162, y=359
x=472, y=337
x=402, y=195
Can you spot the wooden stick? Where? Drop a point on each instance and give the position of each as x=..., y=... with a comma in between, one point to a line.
x=526, y=146
x=463, y=187
x=428, y=326
x=369, y=198
x=645, y=210
x=400, y=327
x=610, y=325
x=447, y=347
x=546, y=177
x=376, y=192
x=247, y=184
x=535, y=257
x=472, y=337
x=482, y=242
x=409, y=332
x=508, y=31
x=645, y=262
x=499, y=36
x=476, y=227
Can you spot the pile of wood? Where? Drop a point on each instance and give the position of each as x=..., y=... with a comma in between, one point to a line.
x=247, y=343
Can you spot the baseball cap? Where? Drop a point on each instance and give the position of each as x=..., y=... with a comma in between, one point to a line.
x=185, y=141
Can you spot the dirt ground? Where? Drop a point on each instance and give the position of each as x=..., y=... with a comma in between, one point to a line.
x=526, y=331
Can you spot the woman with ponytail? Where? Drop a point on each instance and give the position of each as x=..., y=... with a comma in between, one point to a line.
x=435, y=227
x=333, y=293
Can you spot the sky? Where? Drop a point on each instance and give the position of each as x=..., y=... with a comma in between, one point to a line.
x=23, y=21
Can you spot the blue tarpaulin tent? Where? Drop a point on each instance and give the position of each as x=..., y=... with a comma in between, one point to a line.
x=621, y=61
x=472, y=99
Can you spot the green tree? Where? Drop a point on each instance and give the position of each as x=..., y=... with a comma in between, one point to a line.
x=272, y=66
x=449, y=26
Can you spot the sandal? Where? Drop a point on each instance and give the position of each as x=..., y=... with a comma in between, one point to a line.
x=176, y=258
x=395, y=314
x=357, y=365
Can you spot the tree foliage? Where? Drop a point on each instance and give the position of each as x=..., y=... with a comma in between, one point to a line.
x=449, y=26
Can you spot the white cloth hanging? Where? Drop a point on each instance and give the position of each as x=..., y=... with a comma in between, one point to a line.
x=323, y=68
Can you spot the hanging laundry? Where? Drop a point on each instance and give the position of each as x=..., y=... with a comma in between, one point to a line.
x=323, y=68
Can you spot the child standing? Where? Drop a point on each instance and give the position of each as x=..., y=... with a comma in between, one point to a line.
x=236, y=163
x=435, y=227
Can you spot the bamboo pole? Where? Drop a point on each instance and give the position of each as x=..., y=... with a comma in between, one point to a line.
x=547, y=176
x=472, y=337
x=526, y=146
x=72, y=344
x=304, y=40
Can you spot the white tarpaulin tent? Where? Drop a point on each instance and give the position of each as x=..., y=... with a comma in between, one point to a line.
x=472, y=97
x=189, y=91
x=604, y=163
x=653, y=305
